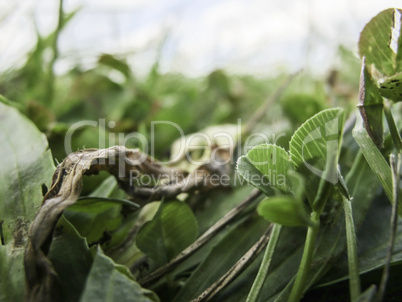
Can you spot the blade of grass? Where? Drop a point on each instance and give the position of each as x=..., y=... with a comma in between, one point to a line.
x=395, y=167
x=368, y=295
x=266, y=261
x=354, y=279
x=376, y=162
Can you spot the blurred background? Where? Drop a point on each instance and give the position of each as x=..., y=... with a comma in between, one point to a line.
x=192, y=37
x=193, y=63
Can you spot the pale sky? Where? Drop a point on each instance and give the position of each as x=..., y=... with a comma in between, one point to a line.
x=195, y=37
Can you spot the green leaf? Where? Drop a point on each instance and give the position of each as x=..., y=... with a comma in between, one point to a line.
x=93, y=217
x=376, y=161
x=121, y=247
x=284, y=210
x=315, y=146
x=108, y=281
x=254, y=176
x=173, y=228
x=376, y=42
x=107, y=189
x=26, y=163
x=219, y=203
x=380, y=44
x=96, y=215
x=270, y=160
x=70, y=256
x=115, y=63
x=371, y=106
x=390, y=87
x=300, y=107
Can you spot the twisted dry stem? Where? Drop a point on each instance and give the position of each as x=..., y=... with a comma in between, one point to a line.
x=42, y=282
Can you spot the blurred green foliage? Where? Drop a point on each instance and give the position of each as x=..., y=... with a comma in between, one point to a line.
x=110, y=91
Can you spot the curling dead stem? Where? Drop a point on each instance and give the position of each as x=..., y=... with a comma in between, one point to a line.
x=41, y=278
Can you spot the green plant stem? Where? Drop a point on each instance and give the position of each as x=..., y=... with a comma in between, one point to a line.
x=49, y=90
x=301, y=277
x=396, y=138
x=354, y=279
x=266, y=261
